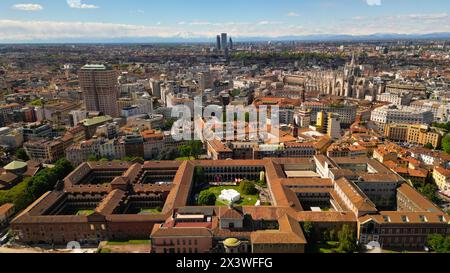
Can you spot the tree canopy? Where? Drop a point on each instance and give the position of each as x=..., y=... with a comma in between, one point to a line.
x=446, y=144
x=168, y=153
x=207, y=198
x=21, y=154
x=347, y=240
x=193, y=149
x=439, y=243
x=248, y=188
x=31, y=188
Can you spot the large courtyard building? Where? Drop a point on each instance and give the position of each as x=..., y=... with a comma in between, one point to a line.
x=158, y=200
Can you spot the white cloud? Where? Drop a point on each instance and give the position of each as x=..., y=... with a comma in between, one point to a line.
x=293, y=14
x=373, y=2
x=28, y=7
x=432, y=16
x=199, y=23
x=22, y=30
x=270, y=23
x=77, y=4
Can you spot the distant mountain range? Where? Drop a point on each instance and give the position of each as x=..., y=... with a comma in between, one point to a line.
x=316, y=38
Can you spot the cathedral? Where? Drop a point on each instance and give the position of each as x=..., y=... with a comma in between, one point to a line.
x=353, y=81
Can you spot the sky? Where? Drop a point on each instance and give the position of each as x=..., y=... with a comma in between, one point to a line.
x=52, y=20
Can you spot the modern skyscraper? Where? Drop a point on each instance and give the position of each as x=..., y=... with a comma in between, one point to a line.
x=224, y=41
x=218, y=43
x=231, y=44
x=100, y=89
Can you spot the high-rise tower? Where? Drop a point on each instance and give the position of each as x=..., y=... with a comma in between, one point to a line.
x=218, y=43
x=224, y=41
x=100, y=89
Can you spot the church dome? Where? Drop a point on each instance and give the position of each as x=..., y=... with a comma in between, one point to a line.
x=232, y=242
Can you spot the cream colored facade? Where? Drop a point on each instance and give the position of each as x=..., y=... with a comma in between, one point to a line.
x=417, y=134
x=441, y=177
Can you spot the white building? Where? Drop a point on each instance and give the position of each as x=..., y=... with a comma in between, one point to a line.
x=230, y=196
x=397, y=99
x=400, y=114
x=10, y=138
x=112, y=149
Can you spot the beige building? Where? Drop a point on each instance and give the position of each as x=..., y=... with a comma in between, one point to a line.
x=100, y=89
x=416, y=134
x=441, y=177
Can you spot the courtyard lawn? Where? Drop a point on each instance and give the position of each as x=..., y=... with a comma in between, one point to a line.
x=16, y=195
x=85, y=212
x=150, y=211
x=185, y=158
x=325, y=247
x=130, y=242
x=246, y=200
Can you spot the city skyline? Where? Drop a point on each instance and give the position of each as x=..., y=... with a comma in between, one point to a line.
x=200, y=20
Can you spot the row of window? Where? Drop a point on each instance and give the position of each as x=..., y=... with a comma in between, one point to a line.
x=180, y=242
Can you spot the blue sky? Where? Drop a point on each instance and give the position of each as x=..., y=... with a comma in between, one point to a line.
x=28, y=20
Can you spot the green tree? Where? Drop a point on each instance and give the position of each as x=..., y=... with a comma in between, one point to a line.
x=446, y=144
x=248, y=188
x=445, y=126
x=439, y=243
x=308, y=228
x=92, y=157
x=429, y=191
x=185, y=151
x=197, y=148
x=199, y=175
x=36, y=102
x=428, y=146
x=21, y=154
x=207, y=198
x=347, y=240
x=63, y=167
x=169, y=153
x=235, y=92
x=168, y=124
x=22, y=199
x=46, y=179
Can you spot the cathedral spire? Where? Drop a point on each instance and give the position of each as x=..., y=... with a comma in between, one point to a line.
x=353, y=63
